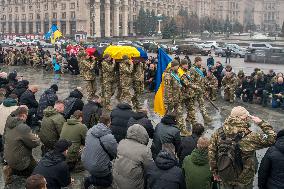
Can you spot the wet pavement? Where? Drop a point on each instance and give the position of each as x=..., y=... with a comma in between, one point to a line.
x=69, y=82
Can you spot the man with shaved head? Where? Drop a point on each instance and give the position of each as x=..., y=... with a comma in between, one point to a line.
x=278, y=93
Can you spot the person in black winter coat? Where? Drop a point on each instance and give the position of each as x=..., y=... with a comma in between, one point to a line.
x=260, y=87
x=73, y=103
x=48, y=98
x=189, y=143
x=12, y=83
x=271, y=171
x=28, y=99
x=165, y=132
x=73, y=65
x=92, y=112
x=141, y=118
x=54, y=167
x=248, y=88
x=217, y=72
x=164, y=173
x=21, y=87
x=119, y=120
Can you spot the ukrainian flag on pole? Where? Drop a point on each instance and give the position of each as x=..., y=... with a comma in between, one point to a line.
x=163, y=62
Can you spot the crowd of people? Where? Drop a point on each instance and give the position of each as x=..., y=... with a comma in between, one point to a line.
x=111, y=142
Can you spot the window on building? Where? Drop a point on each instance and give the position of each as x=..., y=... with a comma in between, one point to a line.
x=10, y=16
x=37, y=5
x=54, y=5
x=10, y=9
x=73, y=14
x=63, y=16
x=30, y=7
x=16, y=17
x=63, y=6
x=38, y=16
x=46, y=7
x=46, y=16
x=72, y=5
x=23, y=8
x=54, y=15
x=31, y=16
x=23, y=16
x=16, y=9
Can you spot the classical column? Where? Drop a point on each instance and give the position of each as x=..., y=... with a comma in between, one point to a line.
x=42, y=25
x=13, y=26
x=97, y=18
x=116, y=18
x=131, y=31
x=34, y=26
x=125, y=18
x=20, y=27
x=107, y=18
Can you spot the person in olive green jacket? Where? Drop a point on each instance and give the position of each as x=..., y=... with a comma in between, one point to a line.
x=51, y=126
x=74, y=131
x=196, y=167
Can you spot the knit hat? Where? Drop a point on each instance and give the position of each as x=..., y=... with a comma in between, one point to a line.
x=174, y=63
x=54, y=87
x=239, y=111
x=280, y=134
x=62, y=145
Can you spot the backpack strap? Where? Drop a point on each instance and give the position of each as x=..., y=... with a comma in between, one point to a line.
x=103, y=146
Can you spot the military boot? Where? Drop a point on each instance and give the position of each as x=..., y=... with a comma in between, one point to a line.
x=7, y=173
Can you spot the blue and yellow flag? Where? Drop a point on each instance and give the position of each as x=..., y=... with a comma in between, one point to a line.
x=164, y=61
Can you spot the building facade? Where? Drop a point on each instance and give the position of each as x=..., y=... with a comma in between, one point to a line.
x=99, y=18
x=234, y=10
x=269, y=14
x=113, y=18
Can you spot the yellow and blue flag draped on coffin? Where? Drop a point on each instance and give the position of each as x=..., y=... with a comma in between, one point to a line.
x=164, y=61
x=117, y=52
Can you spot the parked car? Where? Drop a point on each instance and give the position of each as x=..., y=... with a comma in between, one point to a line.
x=238, y=53
x=191, y=49
x=220, y=52
x=272, y=55
x=210, y=44
x=174, y=48
x=259, y=46
x=233, y=46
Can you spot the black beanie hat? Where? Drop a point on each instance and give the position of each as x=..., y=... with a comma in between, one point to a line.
x=62, y=145
x=54, y=87
x=280, y=133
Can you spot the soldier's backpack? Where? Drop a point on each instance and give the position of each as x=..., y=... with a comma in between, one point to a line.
x=229, y=158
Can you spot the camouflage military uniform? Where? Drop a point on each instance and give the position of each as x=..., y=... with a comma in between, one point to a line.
x=107, y=73
x=229, y=84
x=240, y=79
x=199, y=92
x=211, y=84
x=189, y=97
x=173, y=100
x=36, y=60
x=138, y=83
x=249, y=144
x=125, y=71
x=86, y=70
